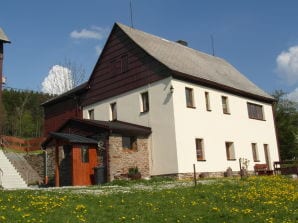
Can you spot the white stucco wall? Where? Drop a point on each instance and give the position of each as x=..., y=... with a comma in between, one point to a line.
x=215, y=128
x=175, y=127
x=160, y=118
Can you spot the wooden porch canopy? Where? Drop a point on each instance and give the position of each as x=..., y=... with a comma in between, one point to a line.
x=83, y=131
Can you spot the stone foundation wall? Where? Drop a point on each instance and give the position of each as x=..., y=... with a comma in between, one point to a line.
x=120, y=160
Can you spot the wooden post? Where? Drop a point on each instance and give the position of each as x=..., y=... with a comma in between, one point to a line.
x=240, y=168
x=57, y=172
x=194, y=174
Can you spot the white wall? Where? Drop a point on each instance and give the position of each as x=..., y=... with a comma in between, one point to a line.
x=175, y=127
x=160, y=118
x=215, y=128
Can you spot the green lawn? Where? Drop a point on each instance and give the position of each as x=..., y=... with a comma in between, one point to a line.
x=255, y=199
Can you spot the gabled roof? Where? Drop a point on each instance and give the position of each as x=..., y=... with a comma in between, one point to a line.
x=73, y=138
x=192, y=63
x=68, y=94
x=3, y=37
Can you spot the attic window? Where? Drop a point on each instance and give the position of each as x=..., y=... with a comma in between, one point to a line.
x=124, y=63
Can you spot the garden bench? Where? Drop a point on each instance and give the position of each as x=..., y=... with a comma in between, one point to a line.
x=262, y=169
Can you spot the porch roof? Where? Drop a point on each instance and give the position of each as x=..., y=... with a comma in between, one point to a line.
x=73, y=138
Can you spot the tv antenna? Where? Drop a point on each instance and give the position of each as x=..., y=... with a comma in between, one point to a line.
x=212, y=45
x=131, y=18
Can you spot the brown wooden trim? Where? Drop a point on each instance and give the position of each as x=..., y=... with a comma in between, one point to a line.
x=203, y=160
x=231, y=159
x=276, y=130
x=57, y=171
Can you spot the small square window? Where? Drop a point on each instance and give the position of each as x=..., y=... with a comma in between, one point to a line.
x=230, y=151
x=145, y=102
x=189, y=98
x=129, y=142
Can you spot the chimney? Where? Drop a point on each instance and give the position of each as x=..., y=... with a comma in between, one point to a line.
x=182, y=42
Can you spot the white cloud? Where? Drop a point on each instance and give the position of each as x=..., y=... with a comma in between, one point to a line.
x=287, y=65
x=94, y=32
x=293, y=96
x=58, y=80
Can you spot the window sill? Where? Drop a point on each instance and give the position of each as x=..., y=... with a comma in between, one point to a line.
x=232, y=159
x=201, y=160
x=209, y=110
x=144, y=112
x=257, y=161
x=193, y=107
x=257, y=119
x=227, y=113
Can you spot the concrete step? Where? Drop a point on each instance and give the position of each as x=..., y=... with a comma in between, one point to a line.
x=10, y=178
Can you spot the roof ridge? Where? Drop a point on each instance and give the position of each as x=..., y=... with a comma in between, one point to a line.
x=189, y=61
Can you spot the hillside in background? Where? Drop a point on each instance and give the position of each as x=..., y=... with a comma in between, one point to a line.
x=23, y=113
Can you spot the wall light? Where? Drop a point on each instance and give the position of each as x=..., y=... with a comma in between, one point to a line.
x=171, y=89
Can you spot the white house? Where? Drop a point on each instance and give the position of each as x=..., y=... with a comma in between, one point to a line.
x=201, y=110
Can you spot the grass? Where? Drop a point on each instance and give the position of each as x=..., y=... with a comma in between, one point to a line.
x=255, y=199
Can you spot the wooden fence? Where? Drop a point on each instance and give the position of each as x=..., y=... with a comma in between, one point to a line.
x=24, y=145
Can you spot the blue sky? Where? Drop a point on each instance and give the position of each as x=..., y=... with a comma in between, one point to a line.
x=260, y=38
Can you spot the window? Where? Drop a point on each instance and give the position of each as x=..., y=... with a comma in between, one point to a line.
x=113, y=111
x=189, y=98
x=145, y=102
x=207, y=101
x=200, y=150
x=129, y=143
x=225, y=105
x=230, y=151
x=255, y=111
x=85, y=154
x=124, y=63
x=255, y=153
x=91, y=114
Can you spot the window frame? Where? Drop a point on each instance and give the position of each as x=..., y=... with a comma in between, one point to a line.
x=255, y=152
x=85, y=154
x=225, y=105
x=132, y=143
x=189, y=97
x=255, y=111
x=200, y=149
x=91, y=114
x=113, y=111
x=124, y=63
x=230, y=151
x=207, y=101
x=145, y=106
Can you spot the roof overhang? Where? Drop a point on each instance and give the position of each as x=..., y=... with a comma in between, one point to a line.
x=82, y=131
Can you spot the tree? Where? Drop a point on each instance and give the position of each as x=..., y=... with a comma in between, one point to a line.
x=286, y=117
x=63, y=77
x=2, y=117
